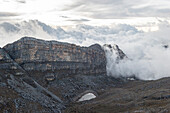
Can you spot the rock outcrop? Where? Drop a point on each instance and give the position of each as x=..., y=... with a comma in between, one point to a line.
x=59, y=59
x=120, y=55
x=13, y=78
x=52, y=73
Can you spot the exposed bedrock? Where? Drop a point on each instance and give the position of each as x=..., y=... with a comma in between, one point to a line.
x=64, y=68
x=56, y=58
x=52, y=73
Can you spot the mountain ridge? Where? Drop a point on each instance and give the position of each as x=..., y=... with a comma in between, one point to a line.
x=33, y=80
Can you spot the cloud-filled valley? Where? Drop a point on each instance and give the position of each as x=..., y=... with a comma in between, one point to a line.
x=148, y=51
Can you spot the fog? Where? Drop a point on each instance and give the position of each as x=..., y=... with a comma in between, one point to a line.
x=148, y=58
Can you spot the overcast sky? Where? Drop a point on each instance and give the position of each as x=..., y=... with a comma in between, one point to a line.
x=141, y=13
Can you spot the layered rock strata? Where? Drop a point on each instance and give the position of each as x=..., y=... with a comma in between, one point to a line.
x=56, y=58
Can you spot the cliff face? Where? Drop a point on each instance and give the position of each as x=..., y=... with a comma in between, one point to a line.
x=50, y=73
x=120, y=55
x=56, y=58
x=7, y=63
x=19, y=89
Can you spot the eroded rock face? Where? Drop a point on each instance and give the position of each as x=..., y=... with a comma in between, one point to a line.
x=15, y=80
x=52, y=73
x=6, y=63
x=60, y=58
x=115, y=48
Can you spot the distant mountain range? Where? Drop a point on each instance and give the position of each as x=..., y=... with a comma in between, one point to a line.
x=76, y=35
x=31, y=27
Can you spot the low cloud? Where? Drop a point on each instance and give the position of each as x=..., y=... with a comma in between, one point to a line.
x=111, y=9
x=9, y=17
x=78, y=20
x=21, y=1
x=149, y=57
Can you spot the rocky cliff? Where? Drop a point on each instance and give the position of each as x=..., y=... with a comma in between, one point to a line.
x=52, y=58
x=50, y=73
x=24, y=90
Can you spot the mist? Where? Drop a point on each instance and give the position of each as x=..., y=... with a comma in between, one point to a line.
x=148, y=52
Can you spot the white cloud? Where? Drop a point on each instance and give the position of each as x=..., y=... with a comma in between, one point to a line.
x=96, y=11
x=121, y=8
x=149, y=59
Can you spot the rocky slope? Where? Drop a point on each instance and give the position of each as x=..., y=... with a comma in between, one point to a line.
x=132, y=97
x=38, y=76
x=16, y=80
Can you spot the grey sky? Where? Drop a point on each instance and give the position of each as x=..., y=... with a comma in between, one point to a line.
x=85, y=11
x=121, y=8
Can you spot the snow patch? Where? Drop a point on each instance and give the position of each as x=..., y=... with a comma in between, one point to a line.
x=87, y=96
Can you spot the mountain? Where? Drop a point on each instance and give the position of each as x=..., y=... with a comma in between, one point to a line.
x=9, y=27
x=31, y=27
x=52, y=57
x=119, y=53
x=51, y=77
x=80, y=34
x=51, y=73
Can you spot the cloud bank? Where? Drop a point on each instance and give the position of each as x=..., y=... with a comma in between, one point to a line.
x=110, y=9
x=149, y=52
x=92, y=12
